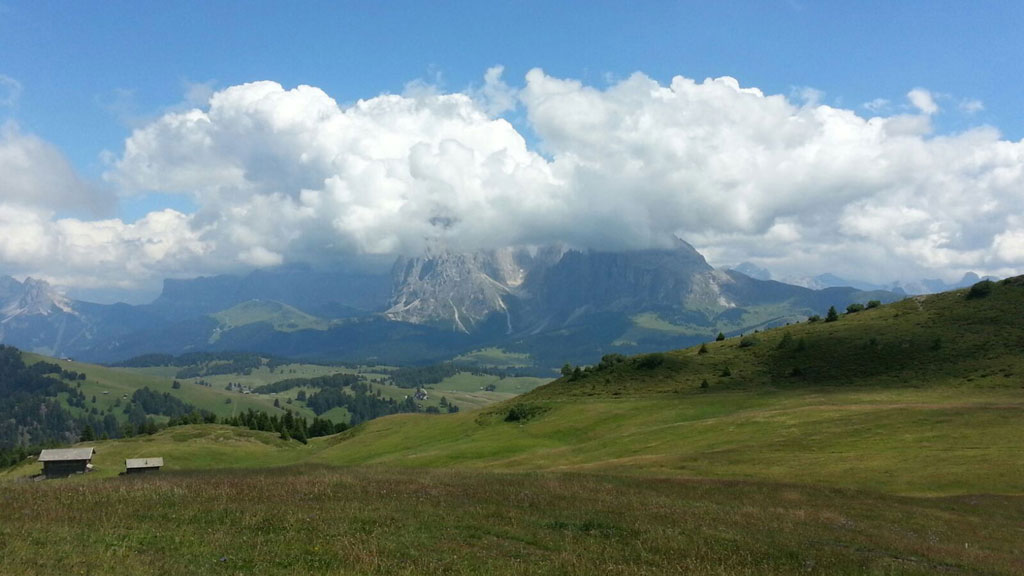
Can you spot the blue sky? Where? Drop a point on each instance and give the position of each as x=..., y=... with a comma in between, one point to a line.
x=81, y=77
x=89, y=70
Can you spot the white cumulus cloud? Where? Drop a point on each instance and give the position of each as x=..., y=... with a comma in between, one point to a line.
x=281, y=175
x=34, y=173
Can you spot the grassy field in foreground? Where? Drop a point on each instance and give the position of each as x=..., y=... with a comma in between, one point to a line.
x=912, y=442
x=367, y=521
x=897, y=441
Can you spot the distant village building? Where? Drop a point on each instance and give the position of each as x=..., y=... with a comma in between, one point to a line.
x=140, y=465
x=63, y=462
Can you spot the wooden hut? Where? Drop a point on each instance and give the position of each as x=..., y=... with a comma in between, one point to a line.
x=141, y=465
x=63, y=462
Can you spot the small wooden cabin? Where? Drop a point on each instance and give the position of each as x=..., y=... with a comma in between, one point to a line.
x=63, y=462
x=141, y=465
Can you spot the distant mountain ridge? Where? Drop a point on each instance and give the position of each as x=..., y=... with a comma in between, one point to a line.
x=829, y=280
x=322, y=293
x=552, y=303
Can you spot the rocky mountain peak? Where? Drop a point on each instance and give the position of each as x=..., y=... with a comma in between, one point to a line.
x=623, y=280
x=32, y=297
x=453, y=289
x=534, y=287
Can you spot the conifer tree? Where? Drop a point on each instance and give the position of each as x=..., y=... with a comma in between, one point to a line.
x=832, y=315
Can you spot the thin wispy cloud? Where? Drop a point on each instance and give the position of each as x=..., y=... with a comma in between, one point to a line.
x=10, y=91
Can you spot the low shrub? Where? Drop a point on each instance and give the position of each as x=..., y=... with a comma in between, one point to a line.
x=523, y=412
x=650, y=361
x=980, y=290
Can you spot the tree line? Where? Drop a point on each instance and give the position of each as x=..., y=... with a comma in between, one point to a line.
x=31, y=413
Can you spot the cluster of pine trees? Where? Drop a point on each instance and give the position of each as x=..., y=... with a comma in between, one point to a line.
x=163, y=403
x=360, y=400
x=330, y=381
x=30, y=413
x=361, y=403
x=289, y=426
x=421, y=376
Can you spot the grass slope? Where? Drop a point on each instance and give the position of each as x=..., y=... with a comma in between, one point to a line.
x=921, y=397
x=893, y=442
x=282, y=317
x=886, y=442
x=494, y=358
x=874, y=404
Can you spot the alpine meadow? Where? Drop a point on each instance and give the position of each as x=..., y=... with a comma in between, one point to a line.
x=512, y=288
x=884, y=442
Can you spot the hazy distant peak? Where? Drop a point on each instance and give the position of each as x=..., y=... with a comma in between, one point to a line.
x=752, y=270
x=35, y=297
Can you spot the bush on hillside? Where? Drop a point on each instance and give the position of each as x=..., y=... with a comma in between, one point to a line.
x=854, y=308
x=650, y=361
x=874, y=303
x=980, y=290
x=748, y=341
x=609, y=360
x=523, y=412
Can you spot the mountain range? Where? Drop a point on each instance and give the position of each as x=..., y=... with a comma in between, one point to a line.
x=553, y=303
x=828, y=280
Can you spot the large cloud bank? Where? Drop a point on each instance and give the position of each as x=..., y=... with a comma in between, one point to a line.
x=282, y=175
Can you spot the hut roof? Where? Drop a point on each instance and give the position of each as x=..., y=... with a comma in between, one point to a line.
x=66, y=454
x=143, y=463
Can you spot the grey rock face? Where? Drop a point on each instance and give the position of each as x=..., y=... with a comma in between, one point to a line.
x=29, y=298
x=457, y=290
x=536, y=288
x=624, y=280
x=37, y=317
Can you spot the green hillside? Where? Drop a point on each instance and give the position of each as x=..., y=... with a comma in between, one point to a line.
x=112, y=387
x=231, y=385
x=282, y=317
x=924, y=396
x=887, y=441
x=944, y=340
